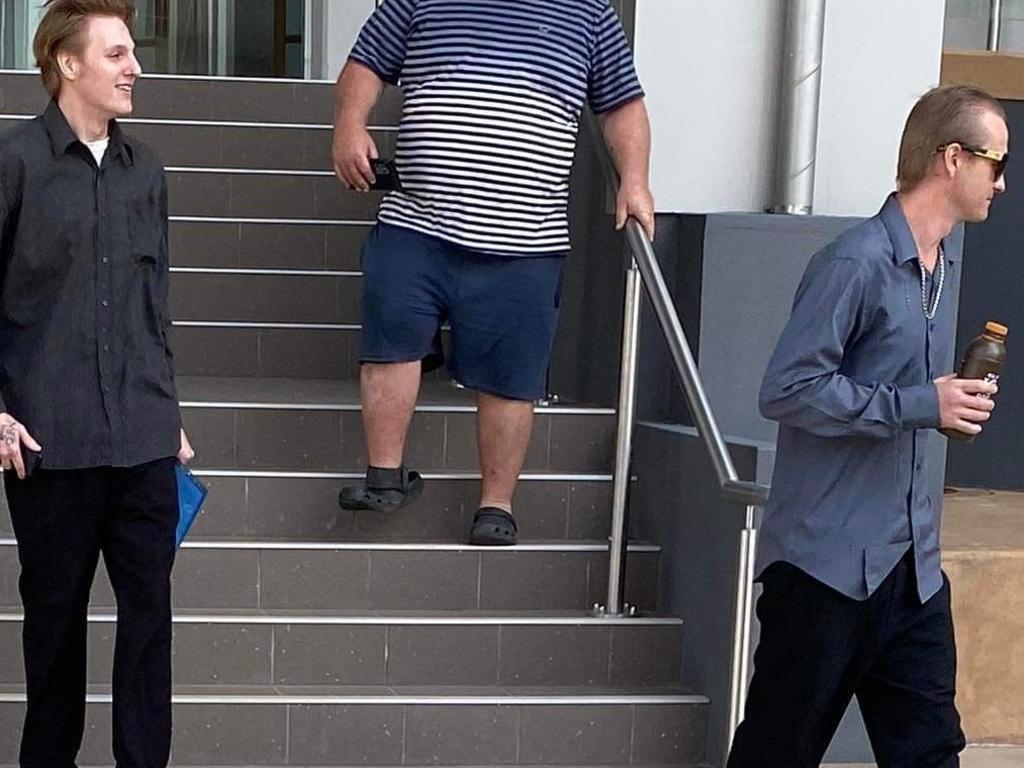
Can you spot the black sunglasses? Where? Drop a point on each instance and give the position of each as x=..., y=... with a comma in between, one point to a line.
x=998, y=159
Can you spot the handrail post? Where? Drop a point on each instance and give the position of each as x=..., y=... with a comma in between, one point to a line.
x=995, y=22
x=742, y=620
x=624, y=438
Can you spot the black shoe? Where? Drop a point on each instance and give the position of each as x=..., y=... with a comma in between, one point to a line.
x=385, y=490
x=493, y=527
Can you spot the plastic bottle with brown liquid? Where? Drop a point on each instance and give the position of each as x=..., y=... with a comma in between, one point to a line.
x=983, y=359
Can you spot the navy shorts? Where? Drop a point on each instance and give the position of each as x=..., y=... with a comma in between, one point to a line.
x=502, y=310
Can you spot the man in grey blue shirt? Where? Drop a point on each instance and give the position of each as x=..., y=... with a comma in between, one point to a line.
x=854, y=601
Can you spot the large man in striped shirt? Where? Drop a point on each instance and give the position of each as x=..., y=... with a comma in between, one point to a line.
x=478, y=233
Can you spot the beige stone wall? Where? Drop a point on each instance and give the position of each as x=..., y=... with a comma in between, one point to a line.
x=988, y=611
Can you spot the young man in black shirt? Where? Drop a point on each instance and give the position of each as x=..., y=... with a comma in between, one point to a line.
x=89, y=421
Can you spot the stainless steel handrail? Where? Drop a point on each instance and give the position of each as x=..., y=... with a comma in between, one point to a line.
x=995, y=23
x=645, y=270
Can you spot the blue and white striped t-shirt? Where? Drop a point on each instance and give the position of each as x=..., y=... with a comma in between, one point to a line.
x=493, y=93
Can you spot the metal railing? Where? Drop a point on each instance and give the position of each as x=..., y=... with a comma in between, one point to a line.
x=995, y=19
x=645, y=271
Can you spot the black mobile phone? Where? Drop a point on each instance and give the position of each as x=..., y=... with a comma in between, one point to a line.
x=31, y=460
x=387, y=175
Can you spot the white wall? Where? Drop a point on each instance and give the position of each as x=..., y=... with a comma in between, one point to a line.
x=879, y=57
x=711, y=69
x=342, y=21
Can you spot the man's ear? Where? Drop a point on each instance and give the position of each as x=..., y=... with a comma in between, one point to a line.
x=951, y=158
x=68, y=65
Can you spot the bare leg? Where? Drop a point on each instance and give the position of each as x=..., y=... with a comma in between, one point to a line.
x=389, y=398
x=503, y=434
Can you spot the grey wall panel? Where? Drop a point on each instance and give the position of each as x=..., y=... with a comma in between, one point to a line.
x=752, y=265
x=675, y=502
x=679, y=244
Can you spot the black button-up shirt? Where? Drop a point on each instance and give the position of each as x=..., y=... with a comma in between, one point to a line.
x=84, y=359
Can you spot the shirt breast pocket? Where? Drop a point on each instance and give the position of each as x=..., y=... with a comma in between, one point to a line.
x=145, y=233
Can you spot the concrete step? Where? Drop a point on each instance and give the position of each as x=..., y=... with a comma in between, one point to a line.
x=304, y=505
x=983, y=555
x=178, y=97
x=288, y=424
x=266, y=574
x=274, y=453
x=259, y=725
x=302, y=648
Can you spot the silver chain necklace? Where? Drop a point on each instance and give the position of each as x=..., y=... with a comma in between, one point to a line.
x=930, y=314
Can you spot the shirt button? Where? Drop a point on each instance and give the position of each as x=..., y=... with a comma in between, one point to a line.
x=105, y=303
x=918, y=467
x=106, y=347
x=106, y=260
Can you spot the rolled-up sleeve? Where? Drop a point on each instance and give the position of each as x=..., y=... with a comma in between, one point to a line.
x=803, y=385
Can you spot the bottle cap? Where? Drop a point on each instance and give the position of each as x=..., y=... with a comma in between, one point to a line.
x=997, y=329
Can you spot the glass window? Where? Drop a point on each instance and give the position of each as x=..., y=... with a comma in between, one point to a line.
x=258, y=38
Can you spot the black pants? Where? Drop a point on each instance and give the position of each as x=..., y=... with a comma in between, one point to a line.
x=819, y=648
x=63, y=520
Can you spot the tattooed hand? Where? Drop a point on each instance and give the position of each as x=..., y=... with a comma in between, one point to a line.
x=12, y=436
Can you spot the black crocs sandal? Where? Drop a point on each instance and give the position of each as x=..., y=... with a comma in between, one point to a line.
x=493, y=527
x=385, y=490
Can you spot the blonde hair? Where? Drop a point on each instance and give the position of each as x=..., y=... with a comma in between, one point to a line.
x=62, y=28
x=946, y=114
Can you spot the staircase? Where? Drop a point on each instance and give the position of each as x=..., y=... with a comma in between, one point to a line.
x=305, y=635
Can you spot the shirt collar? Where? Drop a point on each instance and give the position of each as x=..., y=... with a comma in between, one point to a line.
x=904, y=246
x=62, y=137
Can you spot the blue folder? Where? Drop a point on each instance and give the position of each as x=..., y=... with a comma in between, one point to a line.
x=191, y=495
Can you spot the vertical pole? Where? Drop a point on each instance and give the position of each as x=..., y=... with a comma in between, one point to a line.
x=624, y=438
x=798, y=108
x=740, y=672
x=995, y=20
x=307, y=39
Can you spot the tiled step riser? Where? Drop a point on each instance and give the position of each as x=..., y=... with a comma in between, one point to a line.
x=164, y=98
x=250, y=579
x=399, y=655
x=265, y=298
x=262, y=195
x=307, y=509
x=252, y=439
x=266, y=352
x=271, y=352
x=410, y=735
x=236, y=245
x=229, y=146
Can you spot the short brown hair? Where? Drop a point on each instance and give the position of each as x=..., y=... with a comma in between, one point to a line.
x=61, y=29
x=945, y=114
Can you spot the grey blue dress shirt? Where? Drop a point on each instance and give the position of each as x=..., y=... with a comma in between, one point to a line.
x=850, y=384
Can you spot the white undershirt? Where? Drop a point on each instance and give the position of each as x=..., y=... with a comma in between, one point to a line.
x=98, y=148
